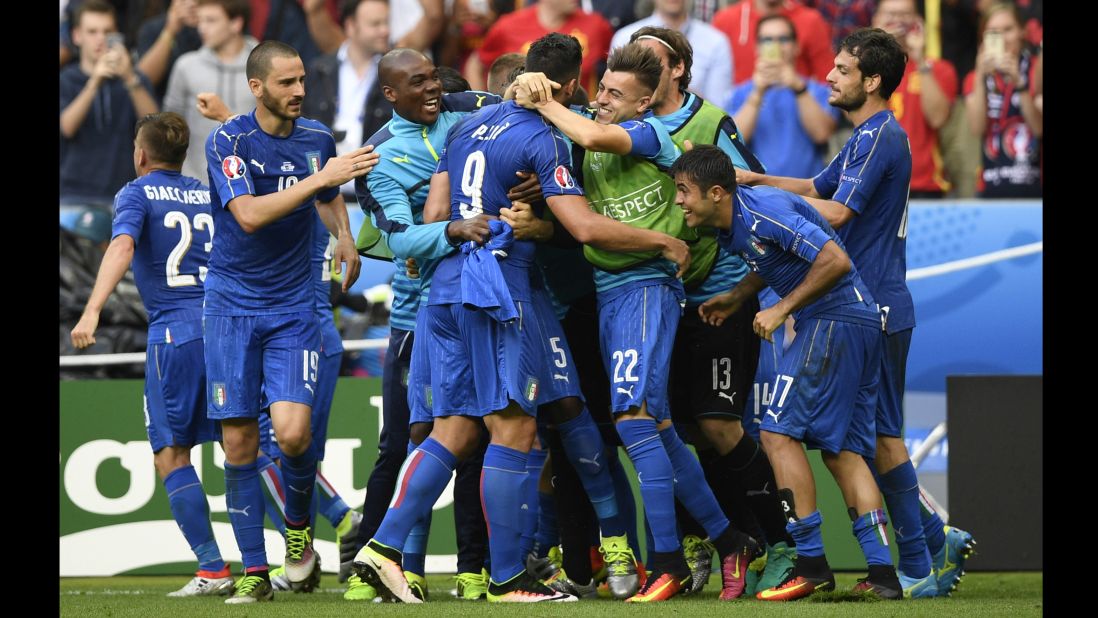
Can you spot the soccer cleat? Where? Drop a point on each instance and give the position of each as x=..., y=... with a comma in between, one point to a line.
x=379, y=566
x=252, y=589
x=302, y=562
x=580, y=591
x=471, y=586
x=523, y=588
x=797, y=588
x=542, y=568
x=347, y=533
x=599, y=572
x=949, y=561
x=418, y=584
x=621, y=567
x=780, y=563
x=699, y=557
x=279, y=581
x=734, y=569
x=660, y=586
x=881, y=581
x=913, y=588
x=207, y=583
x=358, y=590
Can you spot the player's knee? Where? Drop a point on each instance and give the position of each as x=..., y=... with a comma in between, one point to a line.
x=891, y=452
x=723, y=433
x=295, y=440
x=775, y=442
x=564, y=410
x=240, y=441
x=169, y=459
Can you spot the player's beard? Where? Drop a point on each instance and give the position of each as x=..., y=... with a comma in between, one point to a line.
x=278, y=108
x=853, y=101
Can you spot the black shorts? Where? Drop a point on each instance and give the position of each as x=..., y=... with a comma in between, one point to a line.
x=581, y=329
x=713, y=367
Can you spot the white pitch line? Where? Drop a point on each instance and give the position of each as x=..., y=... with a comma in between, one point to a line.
x=973, y=262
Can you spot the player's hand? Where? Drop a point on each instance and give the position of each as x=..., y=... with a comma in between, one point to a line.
x=687, y=145
x=747, y=177
x=537, y=86
x=83, y=334
x=354, y=164
x=346, y=253
x=211, y=106
x=526, y=225
x=474, y=229
x=528, y=190
x=767, y=321
x=411, y=268
x=677, y=251
x=717, y=309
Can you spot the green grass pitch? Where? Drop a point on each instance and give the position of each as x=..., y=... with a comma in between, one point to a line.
x=980, y=594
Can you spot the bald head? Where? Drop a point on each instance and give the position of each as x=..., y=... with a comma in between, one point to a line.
x=394, y=64
x=410, y=81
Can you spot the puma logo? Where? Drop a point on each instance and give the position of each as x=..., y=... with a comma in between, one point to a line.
x=626, y=392
x=771, y=413
x=731, y=399
x=480, y=99
x=761, y=492
x=243, y=511
x=404, y=159
x=259, y=165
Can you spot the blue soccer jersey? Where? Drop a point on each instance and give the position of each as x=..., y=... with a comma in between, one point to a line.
x=168, y=217
x=519, y=140
x=780, y=235
x=393, y=194
x=268, y=271
x=871, y=175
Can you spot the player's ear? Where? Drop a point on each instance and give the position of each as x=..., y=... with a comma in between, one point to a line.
x=389, y=94
x=256, y=86
x=643, y=104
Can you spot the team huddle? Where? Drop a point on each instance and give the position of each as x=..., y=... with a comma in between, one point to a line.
x=576, y=273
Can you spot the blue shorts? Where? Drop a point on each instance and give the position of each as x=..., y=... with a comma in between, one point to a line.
x=758, y=398
x=247, y=356
x=558, y=378
x=175, y=396
x=637, y=330
x=890, y=398
x=825, y=393
x=482, y=364
x=420, y=398
x=327, y=377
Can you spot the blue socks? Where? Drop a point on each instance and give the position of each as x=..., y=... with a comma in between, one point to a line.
x=244, y=501
x=586, y=452
x=328, y=501
x=806, y=532
x=656, y=478
x=623, y=491
x=274, y=498
x=192, y=512
x=690, y=486
x=548, y=535
x=414, y=557
x=501, y=482
x=870, y=531
x=422, y=478
x=900, y=488
x=530, y=503
x=933, y=526
x=298, y=477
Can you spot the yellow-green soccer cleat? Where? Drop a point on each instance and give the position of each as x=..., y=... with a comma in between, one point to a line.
x=471, y=586
x=302, y=562
x=358, y=590
x=621, y=566
x=699, y=557
x=252, y=589
x=347, y=533
x=418, y=584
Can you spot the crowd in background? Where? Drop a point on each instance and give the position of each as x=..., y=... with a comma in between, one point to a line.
x=971, y=99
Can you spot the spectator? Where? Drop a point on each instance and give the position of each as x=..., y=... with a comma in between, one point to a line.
x=417, y=24
x=1001, y=110
x=322, y=18
x=845, y=16
x=923, y=101
x=344, y=92
x=285, y=21
x=738, y=23
x=217, y=67
x=101, y=98
x=467, y=25
x=764, y=107
x=162, y=39
x=515, y=32
x=712, y=52
x=618, y=13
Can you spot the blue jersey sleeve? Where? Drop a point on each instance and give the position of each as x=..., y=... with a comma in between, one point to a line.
x=728, y=139
x=130, y=207
x=645, y=140
x=550, y=156
x=391, y=212
x=225, y=157
x=827, y=181
x=790, y=231
x=868, y=163
x=468, y=101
